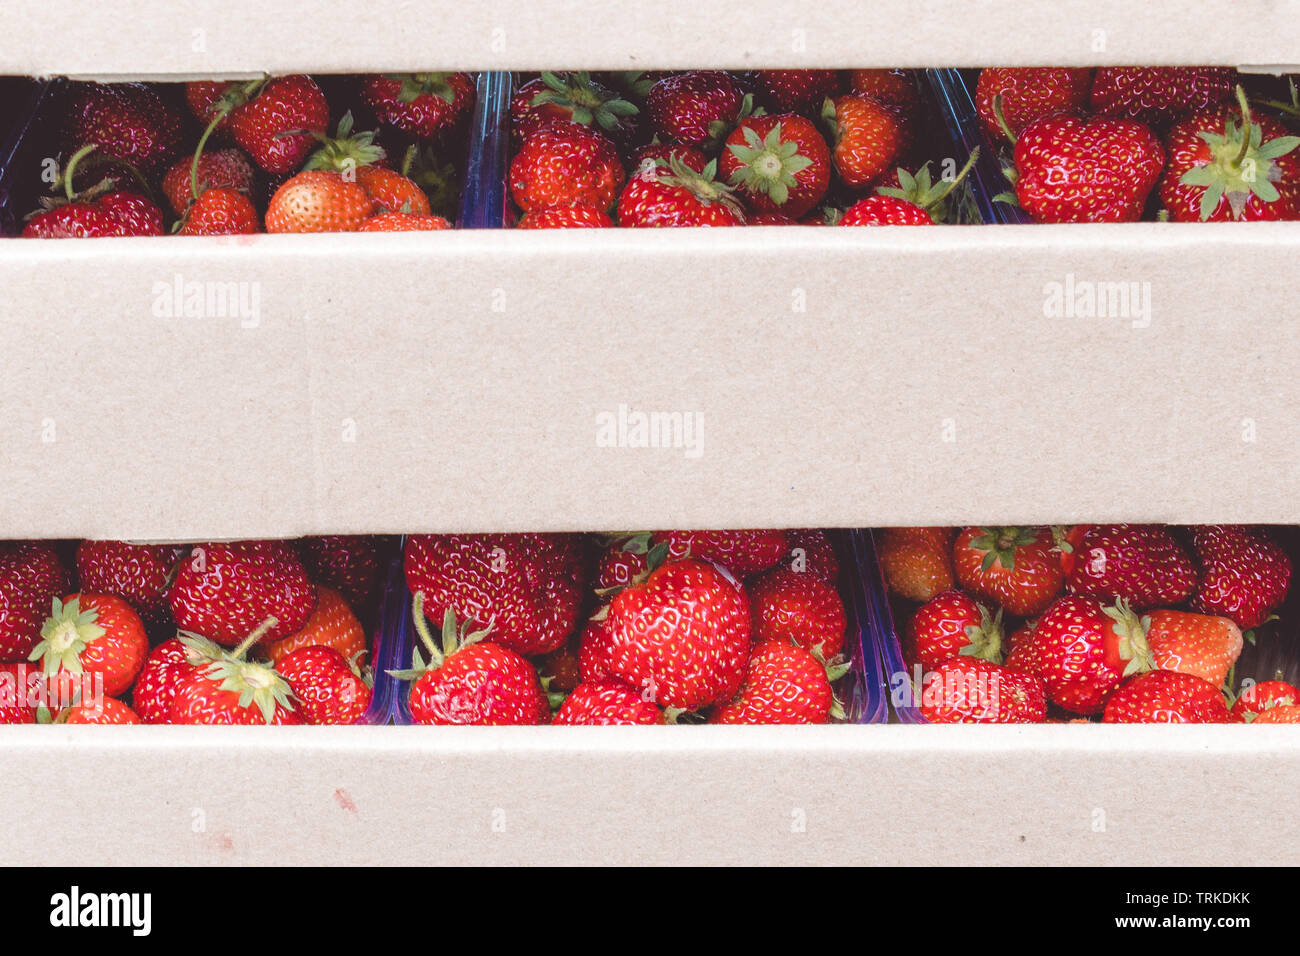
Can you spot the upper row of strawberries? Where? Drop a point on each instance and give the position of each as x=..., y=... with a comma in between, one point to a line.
x=272, y=151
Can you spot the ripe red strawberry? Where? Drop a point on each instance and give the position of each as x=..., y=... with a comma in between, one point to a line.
x=916, y=562
x=662, y=153
x=682, y=635
x=742, y=552
x=88, y=638
x=1142, y=563
x=167, y=665
x=565, y=163
x=1244, y=573
x=1083, y=650
x=221, y=212
x=810, y=551
x=420, y=104
x=797, y=607
x=622, y=562
x=93, y=214
x=1166, y=697
x=607, y=703
x=469, y=680
x=1027, y=94
x=1199, y=644
x=204, y=100
x=1018, y=569
x=676, y=195
x=969, y=690
x=1266, y=695
x=953, y=624
x=31, y=576
x=277, y=122
x=885, y=211
x=391, y=191
x=594, y=651
x=404, y=222
x=894, y=88
x=1022, y=652
x=527, y=588
x=351, y=564
x=22, y=693
x=573, y=216
x=1159, y=95
x=1279, y=715
x=234, y=691
x=866, y=138
x=784, y=684
x=795, y=91
x=777, y=163
x=1228, y=163
x=328, y=688
x=225, y=591
x=698, y=108
x=128, y=121
x=107, y=710
x=221, y=169
x=571, y=97
x=1098, y=169
x=561, y=670
x=332, y=624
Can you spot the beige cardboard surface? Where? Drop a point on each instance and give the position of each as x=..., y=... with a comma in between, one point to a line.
x=473, y=381
x=241, y=37
x=876, y=795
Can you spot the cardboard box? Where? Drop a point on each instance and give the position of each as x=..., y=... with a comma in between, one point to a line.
x=490, y=380
x=241, y=38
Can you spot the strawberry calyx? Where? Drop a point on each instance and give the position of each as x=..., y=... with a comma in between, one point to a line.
x=586, y=102
x=836, y=668
x=1241, y=164
x=257, y=684
x=64, y=636
x=985, y=638
x=415, y=85
x=454, y=638
x=1000, y=544
x=702, y=185
x=1131, y=630
x=919, y=190
x=345, y=150
x=768, y=165
x=719, y=130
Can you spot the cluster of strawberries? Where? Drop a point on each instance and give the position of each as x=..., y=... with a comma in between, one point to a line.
x=271, y=151
x=248, y=632
x=1093, y=145
x=734, y=627
x=717, y=148
x=1132, y=623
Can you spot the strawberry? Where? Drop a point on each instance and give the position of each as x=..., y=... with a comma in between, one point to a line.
x=95, y=212
x=916, y=562
x=811, y=551
x=682, y=635
x=526, y=587
x=607, y=703
x=952, y=624
x=1098, y=169
x=404, y=222
x=594, y=652
x=915, y=201
x=1284, y=714
x=128, y=121
x=91, y=637
x=571, y=97
x=1016, y=568
x=137, y=573
x=1165, y=697
x=107, y=710
x=1025, y=94
x=234, y=691
x=351, y=564
x=1266, y=695
x=1199, y=644
x=1022, y=652
x=167, y=665
x=328, y=687
x=420, y=104
x=1083, y=650
x=1245, y=574
x=204, y=100
x=348, y=150
x=770, y=219
x=743, y=552
x=31, y=577
x=795, y=91
x=277, y=121
x=573, y=216
x=221, y=169
x=777, y=163
x=784, y=684
x=866, y=138
x=565, y=163
x=331, y=625
x=221, y=212
x=894, y=88
x=1142, y=563
x=392, y=192
x=676, y=195
x=318, y=201
x=1159, y=95
x=698, y=108
x=224, y=591
x=561, y=669
x=622, y=562
x=22, y=693
x=469, y=680
x=1231, y=164
x=970, y=690
x=885, y=211
x=800, y=608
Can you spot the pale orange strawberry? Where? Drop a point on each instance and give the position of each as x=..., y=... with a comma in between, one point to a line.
x=332, y=624
x=318, y=201
x=1199, y=644
x=1285, y=714
x=917, y=562
x=391, y=191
